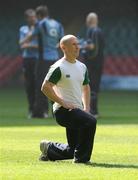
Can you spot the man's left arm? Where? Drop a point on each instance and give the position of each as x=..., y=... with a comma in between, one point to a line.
x=26, y=39
x=86, y=93
x=33, y=33
x=92, y=36
x=86, y=98
x=29, y=46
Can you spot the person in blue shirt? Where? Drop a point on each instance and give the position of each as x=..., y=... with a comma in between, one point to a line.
x=49, y=33
x=92, y=51
x=29, y=52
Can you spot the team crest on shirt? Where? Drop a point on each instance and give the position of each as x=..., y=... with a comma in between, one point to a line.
x=67, y=75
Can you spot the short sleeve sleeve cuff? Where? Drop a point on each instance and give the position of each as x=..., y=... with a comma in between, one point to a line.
x=53, y=75
x=86, y=78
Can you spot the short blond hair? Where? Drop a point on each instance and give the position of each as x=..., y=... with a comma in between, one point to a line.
x=66, y=38
x=92, y=15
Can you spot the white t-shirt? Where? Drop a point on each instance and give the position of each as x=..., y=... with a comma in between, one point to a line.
x=69, y=79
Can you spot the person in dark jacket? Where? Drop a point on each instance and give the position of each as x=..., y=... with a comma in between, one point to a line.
x=92, y=51
x=30, y=57
x=49, y=32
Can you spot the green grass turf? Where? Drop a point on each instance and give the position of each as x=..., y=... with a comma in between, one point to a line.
x=115, y=154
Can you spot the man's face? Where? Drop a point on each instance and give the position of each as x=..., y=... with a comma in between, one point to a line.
x=72, y=47
x=91, y=21
x=39, y=17
x=31, y=20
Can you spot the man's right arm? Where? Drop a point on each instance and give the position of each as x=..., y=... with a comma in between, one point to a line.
x=52, y=78
x=32, y=33
x=29, y=46
x=26, y=39
x=48, y=90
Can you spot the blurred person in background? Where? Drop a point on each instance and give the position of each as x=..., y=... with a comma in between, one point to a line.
x=92, y=51
x=30, y=56
x=49, y=33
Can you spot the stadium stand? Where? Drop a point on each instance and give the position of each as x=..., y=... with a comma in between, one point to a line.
x=121, y=55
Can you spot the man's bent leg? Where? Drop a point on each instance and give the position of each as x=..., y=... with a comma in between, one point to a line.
x=58, y=151
x=87, y=127
x=41, y=102
x=84, y=148
x=28, y=69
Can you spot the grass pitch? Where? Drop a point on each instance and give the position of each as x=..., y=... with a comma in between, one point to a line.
x=115, y=154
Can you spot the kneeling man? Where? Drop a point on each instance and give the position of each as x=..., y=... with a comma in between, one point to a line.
x=67, y=84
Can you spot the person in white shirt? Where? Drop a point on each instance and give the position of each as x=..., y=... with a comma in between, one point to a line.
x=67, y=84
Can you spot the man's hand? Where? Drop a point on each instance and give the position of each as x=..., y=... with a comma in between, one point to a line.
x=87, y=110
x=90, y=46
x=47, y=89
x=86, y=98
x=29, y=46
x=25, y=45
x=27, y=39
x=67, y=105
